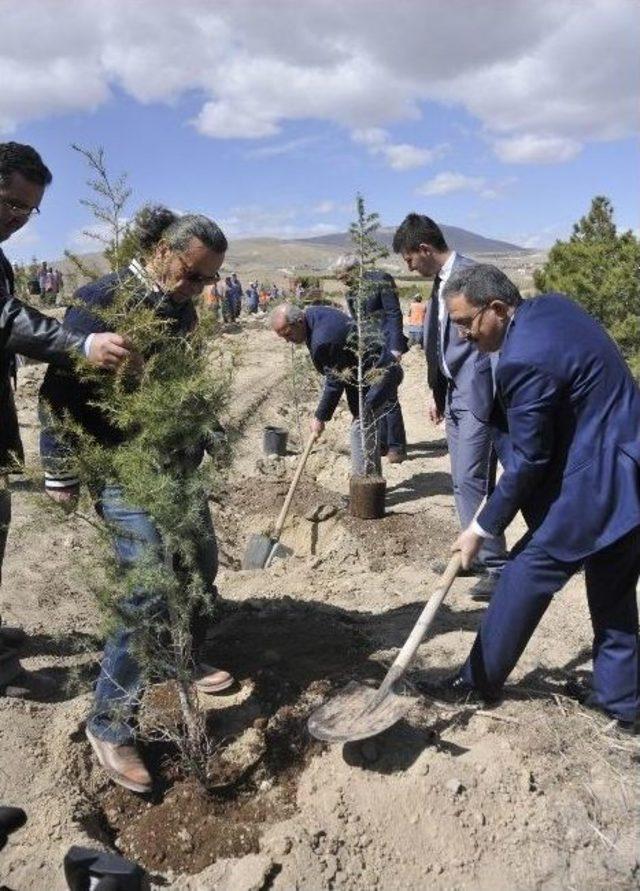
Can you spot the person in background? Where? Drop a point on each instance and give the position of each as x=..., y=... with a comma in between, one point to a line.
x=381, y=307
x=329, y=334
x=42, y=277
x=417, y=310
x=455, y=396
x=253, y=299
x=237, y=295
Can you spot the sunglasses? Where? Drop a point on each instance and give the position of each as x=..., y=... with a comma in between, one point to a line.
x=196, y=278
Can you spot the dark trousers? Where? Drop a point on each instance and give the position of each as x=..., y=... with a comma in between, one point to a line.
x=381, y=402
x=392, y=432
x=527, y=583
x=391, y=426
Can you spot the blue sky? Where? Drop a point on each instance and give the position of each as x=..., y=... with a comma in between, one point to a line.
x=269, y=117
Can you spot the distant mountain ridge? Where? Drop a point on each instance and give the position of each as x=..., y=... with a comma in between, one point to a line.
x=458, y=239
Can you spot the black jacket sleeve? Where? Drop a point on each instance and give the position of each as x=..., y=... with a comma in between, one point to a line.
x=26, y=331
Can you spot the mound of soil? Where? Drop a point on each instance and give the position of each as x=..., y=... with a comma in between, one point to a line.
x=408, y=538
x=288, y=657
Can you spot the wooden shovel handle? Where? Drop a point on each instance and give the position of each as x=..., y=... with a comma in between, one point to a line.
x=421, y=627
x=292, y=488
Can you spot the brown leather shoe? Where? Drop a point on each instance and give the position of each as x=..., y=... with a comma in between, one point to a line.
x=122, y=763
x=208, y=679
x=396, y=456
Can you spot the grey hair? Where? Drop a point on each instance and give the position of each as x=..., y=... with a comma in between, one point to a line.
x=344, y=263
x=288, y=312
x=195, y=225
x=155, y=222
x=481, y=284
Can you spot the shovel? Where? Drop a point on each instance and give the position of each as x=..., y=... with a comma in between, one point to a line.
x=261, y=549
x=359, y=711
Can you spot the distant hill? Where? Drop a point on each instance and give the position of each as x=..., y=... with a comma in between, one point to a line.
x=460, y=240
x=277, y=259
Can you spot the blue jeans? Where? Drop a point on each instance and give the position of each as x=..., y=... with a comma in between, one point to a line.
x=527, y=584
x=136, y=538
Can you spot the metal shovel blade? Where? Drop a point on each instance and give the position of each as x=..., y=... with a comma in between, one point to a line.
x=257, y=552
x=357, y=712
x=262, y=550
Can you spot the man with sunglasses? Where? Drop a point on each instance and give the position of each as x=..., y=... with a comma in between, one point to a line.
x=23, y=180
x=456, y=396
x=178, y=256
x=566, y=420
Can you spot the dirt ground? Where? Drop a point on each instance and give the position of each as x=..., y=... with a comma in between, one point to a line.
x=534, y=794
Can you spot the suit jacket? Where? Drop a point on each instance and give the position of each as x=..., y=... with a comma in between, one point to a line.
x=567, y=427
x=331, y=340
x=382, y=305
x=23, y=330
x=459, y=354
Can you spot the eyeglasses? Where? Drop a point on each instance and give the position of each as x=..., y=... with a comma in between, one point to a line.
x=465, y=326
x=19, y=210
x=196, y=279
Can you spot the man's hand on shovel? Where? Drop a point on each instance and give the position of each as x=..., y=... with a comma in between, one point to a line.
x=468, y=543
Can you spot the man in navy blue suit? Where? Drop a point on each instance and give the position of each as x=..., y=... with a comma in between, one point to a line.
x=380, y=306
x=566, y=418
x=330, y=336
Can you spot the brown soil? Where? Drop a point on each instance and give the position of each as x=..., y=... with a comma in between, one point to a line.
x=534, y=794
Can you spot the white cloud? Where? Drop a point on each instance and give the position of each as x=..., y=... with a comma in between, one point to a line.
x=531, y=149
x=447, y=182
x=281, y=148
x=324, y=207
x=399, y=156
x=541, y=78
x=256, y=221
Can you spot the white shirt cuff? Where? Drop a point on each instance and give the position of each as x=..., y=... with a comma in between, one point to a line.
x=477, y=528
x=87, y=344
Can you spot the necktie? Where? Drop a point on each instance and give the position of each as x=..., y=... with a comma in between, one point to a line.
x=432, y=345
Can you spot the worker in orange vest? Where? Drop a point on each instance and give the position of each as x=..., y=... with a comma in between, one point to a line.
x=417, y=310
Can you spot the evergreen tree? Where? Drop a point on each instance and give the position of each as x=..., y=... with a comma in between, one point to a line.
x=167, y=409
x=368, y=335
x=601, y=269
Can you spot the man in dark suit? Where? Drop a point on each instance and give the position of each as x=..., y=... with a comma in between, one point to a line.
x=567, y=420
x=380, y=308
x=23, y=179
x=450, y=377
x=330, y=336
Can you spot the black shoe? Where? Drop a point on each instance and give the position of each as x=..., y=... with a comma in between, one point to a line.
x=439, y=567
x=484, y=587
x=458, y=691
x=583, y=694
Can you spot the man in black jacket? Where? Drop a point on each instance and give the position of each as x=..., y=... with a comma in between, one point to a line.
x=23, y=179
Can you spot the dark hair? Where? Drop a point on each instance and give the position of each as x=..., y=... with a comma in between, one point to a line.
x=481, y=284
x=416, y=229
x=23, y=159
x=154, y=222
